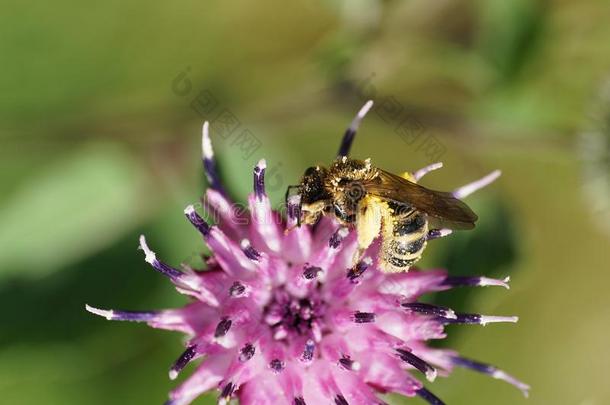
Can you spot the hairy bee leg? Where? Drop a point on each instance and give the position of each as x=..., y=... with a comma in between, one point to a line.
x=368, y=224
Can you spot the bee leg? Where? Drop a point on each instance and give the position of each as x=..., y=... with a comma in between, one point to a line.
x=368, y=224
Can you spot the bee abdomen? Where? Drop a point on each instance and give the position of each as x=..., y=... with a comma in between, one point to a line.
x=410, y=224
x=408, y=241
x=403, y=247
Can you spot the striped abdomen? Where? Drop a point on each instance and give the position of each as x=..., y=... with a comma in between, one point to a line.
x=404, y=239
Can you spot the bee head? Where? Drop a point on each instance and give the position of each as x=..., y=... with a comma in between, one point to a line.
x=314, y=196
x=312, y=185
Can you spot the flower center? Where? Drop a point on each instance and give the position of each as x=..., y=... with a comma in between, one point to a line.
x=287, y=315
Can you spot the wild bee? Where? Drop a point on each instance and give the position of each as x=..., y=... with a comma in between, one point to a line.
x=379, y=203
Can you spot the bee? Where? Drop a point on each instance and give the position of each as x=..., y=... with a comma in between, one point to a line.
x=379, y=203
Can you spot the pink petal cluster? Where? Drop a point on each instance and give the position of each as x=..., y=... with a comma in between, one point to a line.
x=285, y=318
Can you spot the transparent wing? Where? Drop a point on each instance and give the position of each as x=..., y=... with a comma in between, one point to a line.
x=447, y=209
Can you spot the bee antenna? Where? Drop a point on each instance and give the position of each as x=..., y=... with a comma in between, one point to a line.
x=350, y=133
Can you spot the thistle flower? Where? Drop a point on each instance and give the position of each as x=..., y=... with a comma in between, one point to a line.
x=285, y=318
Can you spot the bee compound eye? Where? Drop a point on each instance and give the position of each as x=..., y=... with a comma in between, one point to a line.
x=310, y=171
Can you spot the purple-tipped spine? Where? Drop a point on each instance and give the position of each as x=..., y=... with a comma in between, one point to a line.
x=198, y=222
x=277, y=365
x=259, y=179
x=163, y=268
x=311, y=272
x=476, y=319
x=130, y=316
x=418, y=363
x=350, y=133
x=337, y=237
x=355, y=272
x=308, y=352
x=249, y=250
x=429, y=309
x=456, y=281
x=429, y=397
x=246, y=352
x=182, y=361
x=222, y=328
x=492, y=371
x=470, y=188
x=438, y=233
x=209, y=163
x=364, y=317
x=237, y=289
x=340, y=400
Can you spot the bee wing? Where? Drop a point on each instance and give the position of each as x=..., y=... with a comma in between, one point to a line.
x=441, y=205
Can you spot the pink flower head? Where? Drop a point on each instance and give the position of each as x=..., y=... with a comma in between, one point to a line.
x=286, y=318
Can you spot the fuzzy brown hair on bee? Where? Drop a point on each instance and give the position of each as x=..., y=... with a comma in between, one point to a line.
x=379, y=204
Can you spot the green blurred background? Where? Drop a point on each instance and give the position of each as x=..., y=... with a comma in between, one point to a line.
x=100, y=142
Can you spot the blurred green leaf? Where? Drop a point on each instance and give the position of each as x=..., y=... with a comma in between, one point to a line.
x=70, y=209
x=510, y=31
